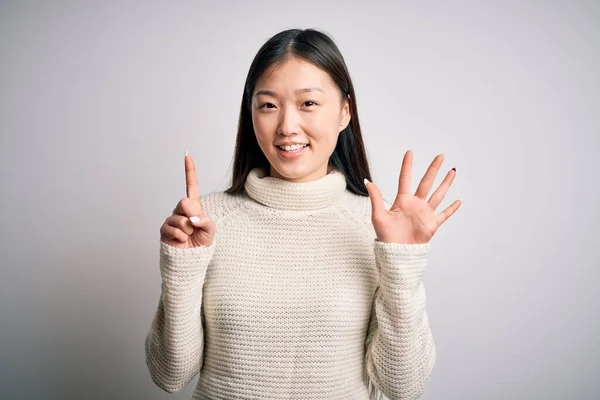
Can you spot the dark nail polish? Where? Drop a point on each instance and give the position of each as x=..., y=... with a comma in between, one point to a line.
x=454, y=169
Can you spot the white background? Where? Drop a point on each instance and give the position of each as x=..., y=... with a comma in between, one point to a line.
x=100, y=100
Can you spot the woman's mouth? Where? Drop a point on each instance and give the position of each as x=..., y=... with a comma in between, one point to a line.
x=291, y=152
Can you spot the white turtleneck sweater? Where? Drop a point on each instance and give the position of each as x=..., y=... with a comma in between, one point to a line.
x=295, y=299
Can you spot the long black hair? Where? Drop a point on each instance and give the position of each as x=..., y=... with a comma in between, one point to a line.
x=349, y=156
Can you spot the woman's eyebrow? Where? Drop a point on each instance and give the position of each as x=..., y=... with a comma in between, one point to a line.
x=303, y=90
x=309, y=89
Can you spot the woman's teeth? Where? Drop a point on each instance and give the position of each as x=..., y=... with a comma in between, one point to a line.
x=293, y=147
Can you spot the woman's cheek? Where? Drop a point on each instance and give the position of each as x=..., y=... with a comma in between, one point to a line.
x=261, y=130
x=265, y=144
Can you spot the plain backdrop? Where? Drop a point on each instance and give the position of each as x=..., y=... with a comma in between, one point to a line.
x=99, y=100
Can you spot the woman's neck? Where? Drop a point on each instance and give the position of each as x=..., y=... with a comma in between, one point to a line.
x=282, y=194
x=311, y=176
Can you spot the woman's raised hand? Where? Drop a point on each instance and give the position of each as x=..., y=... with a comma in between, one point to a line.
x=189, y=226
x=412, y=218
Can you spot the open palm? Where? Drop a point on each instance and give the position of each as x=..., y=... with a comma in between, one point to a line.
x=411, y=218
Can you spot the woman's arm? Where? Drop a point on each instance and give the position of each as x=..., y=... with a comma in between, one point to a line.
x=175, y=343
x=400, y=351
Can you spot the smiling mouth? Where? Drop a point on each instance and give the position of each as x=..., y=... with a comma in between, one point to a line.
x=292, y=149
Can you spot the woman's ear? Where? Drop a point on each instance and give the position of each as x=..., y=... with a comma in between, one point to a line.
x=345, y=114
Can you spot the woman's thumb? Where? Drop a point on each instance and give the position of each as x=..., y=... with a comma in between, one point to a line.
x=195, y=220
x=375, y=196
x=203, y=222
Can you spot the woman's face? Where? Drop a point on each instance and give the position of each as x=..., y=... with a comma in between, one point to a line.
x=297, y=102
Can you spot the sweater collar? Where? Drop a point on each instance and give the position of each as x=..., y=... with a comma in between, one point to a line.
x=281, y=194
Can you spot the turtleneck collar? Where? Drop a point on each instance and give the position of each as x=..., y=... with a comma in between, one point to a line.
x=296, y=196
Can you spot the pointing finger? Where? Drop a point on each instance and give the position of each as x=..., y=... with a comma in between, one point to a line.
x=191, y=180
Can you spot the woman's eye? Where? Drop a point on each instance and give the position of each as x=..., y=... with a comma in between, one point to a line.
x=308, y=103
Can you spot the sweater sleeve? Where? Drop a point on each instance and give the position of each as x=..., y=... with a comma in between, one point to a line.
x=400, y=351
x=174, y=345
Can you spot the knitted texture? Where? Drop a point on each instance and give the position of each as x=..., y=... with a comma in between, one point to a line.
x=295, y=299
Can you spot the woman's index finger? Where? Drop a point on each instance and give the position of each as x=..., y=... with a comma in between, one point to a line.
x=191, y=180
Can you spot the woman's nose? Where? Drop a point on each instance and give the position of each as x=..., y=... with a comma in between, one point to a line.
x=289, y=122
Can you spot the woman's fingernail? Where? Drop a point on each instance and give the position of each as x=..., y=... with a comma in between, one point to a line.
x=366, y=181
x=186, y=153
x=454, y=169
x=194, y=219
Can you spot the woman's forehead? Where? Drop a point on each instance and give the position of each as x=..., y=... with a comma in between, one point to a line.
x=295, y=75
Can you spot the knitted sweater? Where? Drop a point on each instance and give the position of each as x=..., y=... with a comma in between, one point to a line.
x=295, y=299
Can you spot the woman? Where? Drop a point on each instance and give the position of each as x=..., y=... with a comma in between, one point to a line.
x=299, y=281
